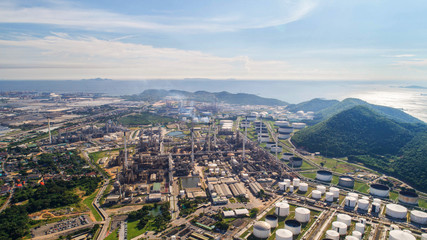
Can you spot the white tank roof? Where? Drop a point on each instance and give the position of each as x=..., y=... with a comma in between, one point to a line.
x=400, y=235
x=284, y=234
x=261, y=225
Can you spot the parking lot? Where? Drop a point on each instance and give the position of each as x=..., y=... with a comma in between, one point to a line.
x=61, y=226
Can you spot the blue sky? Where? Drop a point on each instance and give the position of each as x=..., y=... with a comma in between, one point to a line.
x=223, y=39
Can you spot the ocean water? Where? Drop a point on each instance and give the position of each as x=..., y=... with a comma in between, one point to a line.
x=411, y=100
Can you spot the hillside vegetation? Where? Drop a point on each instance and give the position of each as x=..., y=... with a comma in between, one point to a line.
x=152, y=95
x=389, y=112
x=314, y=105
x=365, y=136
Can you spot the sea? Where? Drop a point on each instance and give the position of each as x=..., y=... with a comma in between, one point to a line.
x=410, y=97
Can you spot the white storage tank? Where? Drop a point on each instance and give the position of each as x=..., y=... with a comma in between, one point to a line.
x=294, y=226
x=352, y=194
x=363, y=204
x=302, y=215
x=376, y=207
x=282, y=123
x=396, y=211
x=379, y=190
x=287, y=182
x=284, y=234
x=350, y=201
x=295, y=162
x=270, y=144
x=261, y=230
x=360, y=227
x=424, y=236
x=287, y=156
x=346, y=181
x=340, y=227
x=335, y=191
x=303, y=187
x=329, y=197
x=344, y=218
x=400, y=235
x=351, y=238
x=377, y=200
x=272, y=220
x=408, y=197
x=357, y=234
x=323, y=175
x=321, y=188
x=419, y=217
x=282, y=186
x=291, y=189
x=282, y=209
x=296, y=182
x=332, y=234
x=316, y=194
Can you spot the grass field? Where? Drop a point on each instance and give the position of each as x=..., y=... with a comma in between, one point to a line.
x=394, y=195
x=113, y=235
x=422, y=203
x=361, y=187
x=311, y=175
x=88, y=202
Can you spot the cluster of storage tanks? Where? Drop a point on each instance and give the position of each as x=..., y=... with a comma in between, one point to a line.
x=293, y=185
x=285, y=129
x=397, y=234
x=397, y=211
x=262, y=229
x=330, y=196
x=341, y=225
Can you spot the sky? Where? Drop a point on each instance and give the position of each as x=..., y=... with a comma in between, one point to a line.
x=217, y=39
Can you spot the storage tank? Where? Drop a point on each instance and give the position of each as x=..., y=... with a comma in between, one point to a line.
x=303, y=187
x=294, y=226
x=284, y=234
x=284, y=136
x=321, y=188
x=350, y=201
x=291, y=188
x=295, y=162
x=316, y=194
x=376, y=207
x=282, y=209
x=360, y=227
x=329, y=197
x=351, y=238
x=282, y=186
x=285, y=130
x=352, y=194
x=296, y=182
x=302, y=215
x=396, y=211
x=344, y=218
x=424, y=236
x=282, y=123
x=272, y=220
x=324, y=175
x=346, y=181
x=379, y=190
x=261, y=230
x=287, y=182
x=332, y=234
x=418, y=217
x=287, y=156
x=270, y=144
x=335, y=191
x=275, y=149
x=408, y=197
x=340, y=227
x=357, y=234
x=363, y=204
x=377, y=200
x=400, y=235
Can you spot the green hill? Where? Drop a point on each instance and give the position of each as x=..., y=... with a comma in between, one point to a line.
x=365, y=136
x=314, y=105
x=389, y=112
x=355, y=131
x=203, y=96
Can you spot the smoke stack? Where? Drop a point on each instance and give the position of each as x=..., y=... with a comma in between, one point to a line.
x=244, y=138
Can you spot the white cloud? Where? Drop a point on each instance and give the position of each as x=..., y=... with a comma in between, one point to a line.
x=404, y=55
x=65, y=14
x=60, y=56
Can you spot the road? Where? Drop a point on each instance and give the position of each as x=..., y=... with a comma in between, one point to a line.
x=5, y=204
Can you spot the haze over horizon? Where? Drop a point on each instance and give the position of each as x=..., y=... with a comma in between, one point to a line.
x=274, y=40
